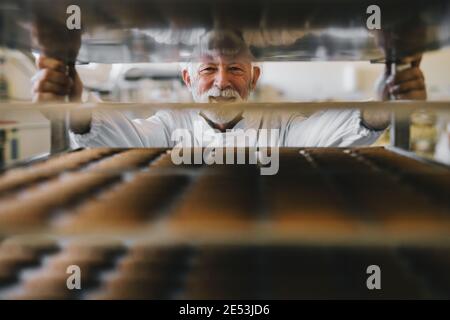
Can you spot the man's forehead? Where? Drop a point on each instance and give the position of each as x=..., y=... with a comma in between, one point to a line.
x=222, y=58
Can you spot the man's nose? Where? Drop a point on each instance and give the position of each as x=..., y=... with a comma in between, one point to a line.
x=221, y=80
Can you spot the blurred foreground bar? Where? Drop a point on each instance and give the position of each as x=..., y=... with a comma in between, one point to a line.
x=115, y=31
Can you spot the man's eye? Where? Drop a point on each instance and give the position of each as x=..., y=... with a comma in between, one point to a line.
x=208, y=70
x=236, y=69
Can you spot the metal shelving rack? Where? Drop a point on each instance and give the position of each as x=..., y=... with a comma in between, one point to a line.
x=115, y=31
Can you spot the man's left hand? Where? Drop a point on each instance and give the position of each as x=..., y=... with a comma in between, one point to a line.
x=406, y=84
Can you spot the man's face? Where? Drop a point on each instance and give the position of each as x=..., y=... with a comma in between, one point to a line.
x=222, y=79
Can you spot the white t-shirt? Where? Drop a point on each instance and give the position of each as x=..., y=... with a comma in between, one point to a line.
x=328, y=128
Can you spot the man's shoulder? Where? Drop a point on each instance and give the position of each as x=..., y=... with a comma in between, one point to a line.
x=279, y=119
x=177, y=118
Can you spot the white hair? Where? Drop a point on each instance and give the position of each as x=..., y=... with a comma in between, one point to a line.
x=217, y=42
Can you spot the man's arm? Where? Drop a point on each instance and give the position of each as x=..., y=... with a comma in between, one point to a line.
x=111, y=128
x=408, y=84
x=96, y=128
x=329, y=128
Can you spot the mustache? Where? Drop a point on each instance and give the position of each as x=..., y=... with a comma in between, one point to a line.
x=223, y=93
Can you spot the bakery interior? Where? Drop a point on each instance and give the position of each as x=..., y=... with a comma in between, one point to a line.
x=141, y=227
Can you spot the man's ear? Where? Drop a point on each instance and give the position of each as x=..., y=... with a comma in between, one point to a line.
x=186, y=78
x=256, y=74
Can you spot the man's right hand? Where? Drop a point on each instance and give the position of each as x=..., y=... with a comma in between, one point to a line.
x=53, y=83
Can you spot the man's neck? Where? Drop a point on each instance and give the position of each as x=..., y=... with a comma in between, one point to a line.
x=225, y=126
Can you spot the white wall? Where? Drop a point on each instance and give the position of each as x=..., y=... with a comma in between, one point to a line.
x=348, y=80
x=34, y=133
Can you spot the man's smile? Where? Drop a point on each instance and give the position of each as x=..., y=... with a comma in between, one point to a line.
x=222, y=99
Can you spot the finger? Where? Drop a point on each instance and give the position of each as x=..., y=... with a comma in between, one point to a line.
x=47, y=97
x=416, y=63
x=43, y=62
x=52, y=76
x=413, y=60
x=407, y=75
x=47, y=86
x=72, y=72
x=412, y=95
x=407, y=86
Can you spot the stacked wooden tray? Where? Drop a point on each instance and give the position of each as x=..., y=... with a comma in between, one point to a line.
x=37, y=268
x=140, y=226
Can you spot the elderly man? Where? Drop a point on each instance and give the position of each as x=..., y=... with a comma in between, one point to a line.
x=223, y=73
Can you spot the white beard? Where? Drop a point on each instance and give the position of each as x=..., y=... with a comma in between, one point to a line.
x=219, y=115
